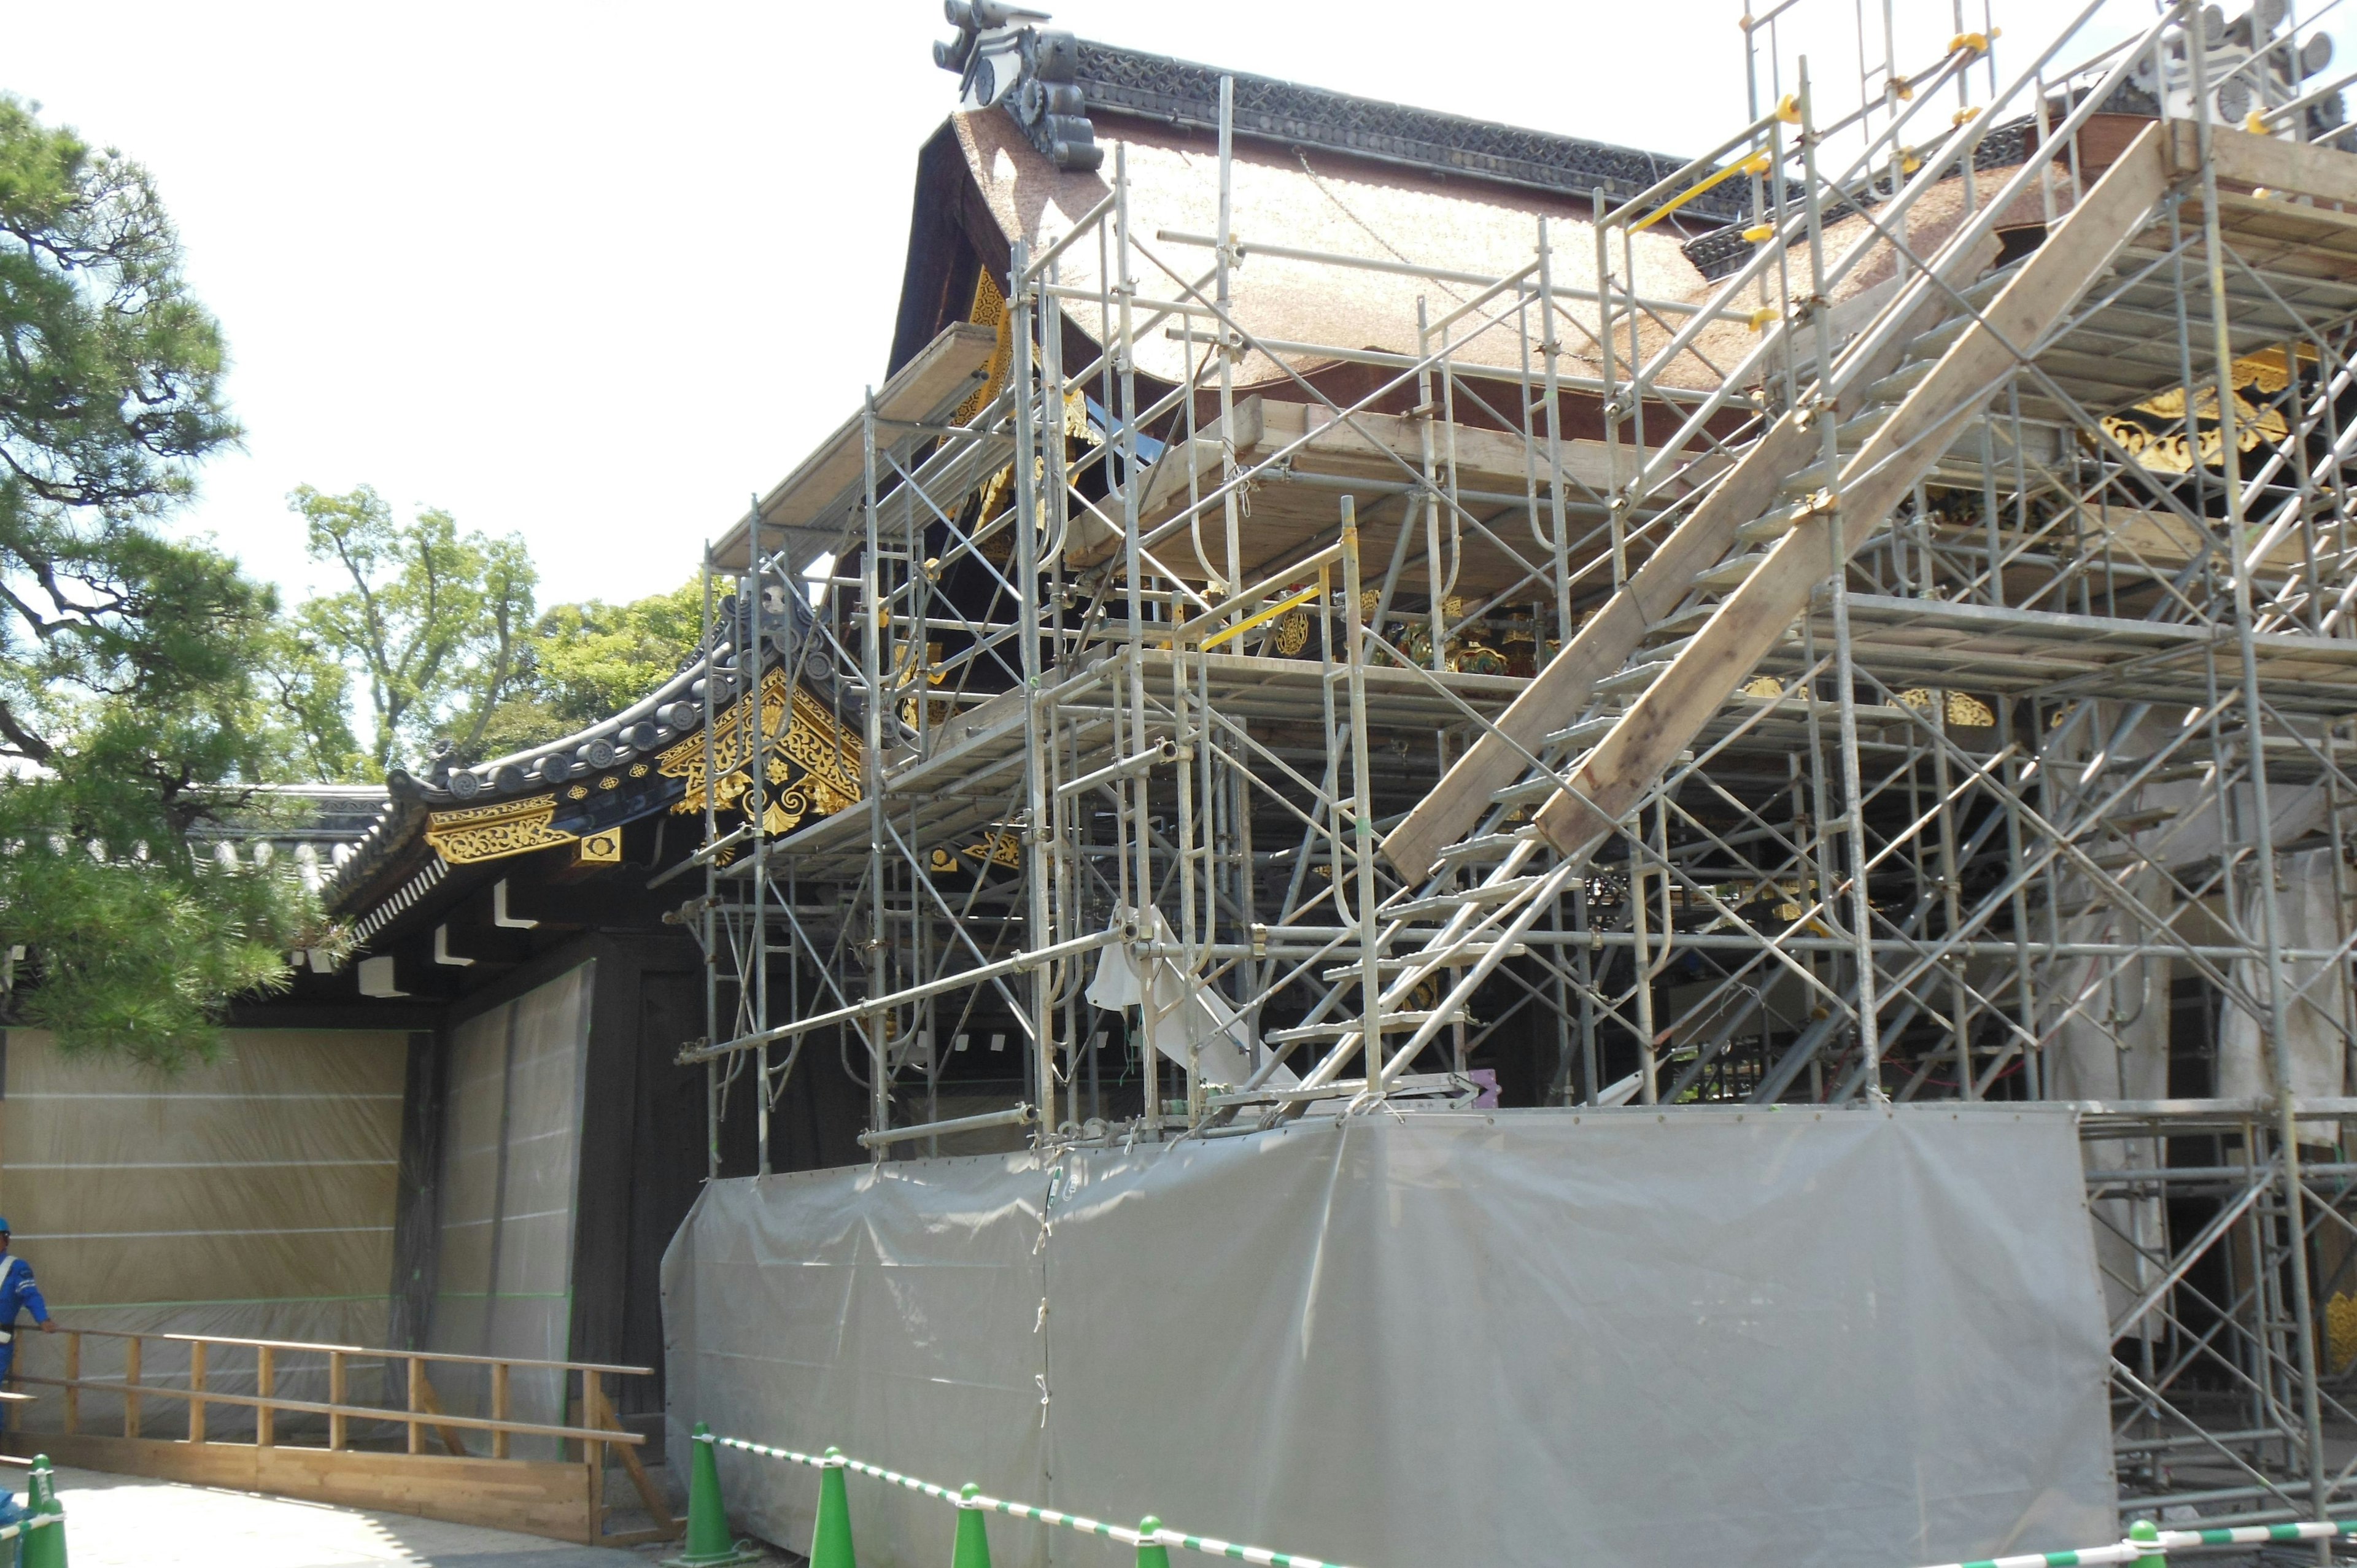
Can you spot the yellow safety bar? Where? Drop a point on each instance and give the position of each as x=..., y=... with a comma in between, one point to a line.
x=1250, y=621
x=1758, y=163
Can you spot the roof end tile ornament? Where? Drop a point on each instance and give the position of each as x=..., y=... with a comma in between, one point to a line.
x=1001, y=57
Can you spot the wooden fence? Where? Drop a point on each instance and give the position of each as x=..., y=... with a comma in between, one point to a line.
x=367, y=1456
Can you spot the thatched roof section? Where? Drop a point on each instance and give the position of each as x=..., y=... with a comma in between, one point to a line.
x=1313, y=202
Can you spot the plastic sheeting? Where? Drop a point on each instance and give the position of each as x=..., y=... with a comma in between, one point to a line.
x=510, y=1163
x=1789, y=1337
x=2107, y=1034
x=2316, y=996
x=254, y=1196
x=1188, y=1022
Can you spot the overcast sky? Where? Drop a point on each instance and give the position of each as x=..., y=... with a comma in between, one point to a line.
x=595, y=273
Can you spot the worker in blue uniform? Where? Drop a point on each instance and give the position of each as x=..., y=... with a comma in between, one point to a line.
x=18, y=1293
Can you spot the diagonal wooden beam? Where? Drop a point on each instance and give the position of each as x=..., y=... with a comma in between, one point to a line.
x=1564, y=688
x=1722, y=655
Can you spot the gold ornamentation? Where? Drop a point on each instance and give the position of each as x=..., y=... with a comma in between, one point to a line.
x=812, y=766
x=1762, y=686
x=638, y=771
x=578, y=792
x=2153, y=432
x=1470, y=657
x=997, y=849
x=1293, y=631
x=1964, y=711
x=600, y=848
x=493, y=832
x=989, y=309
x=610, y=782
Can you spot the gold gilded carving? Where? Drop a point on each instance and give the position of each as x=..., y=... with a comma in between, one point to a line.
x=1962, y=710
x=2153, y=432
x=493, y=832
x=601, y=849
x=811, y=768
x=997, y=849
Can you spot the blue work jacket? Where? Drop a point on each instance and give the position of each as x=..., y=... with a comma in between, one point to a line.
x=18, y=1292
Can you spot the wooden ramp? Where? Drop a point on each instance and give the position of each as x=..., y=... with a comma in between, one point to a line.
x=1774, y=587
x=1903, y=396
x=365, y=1455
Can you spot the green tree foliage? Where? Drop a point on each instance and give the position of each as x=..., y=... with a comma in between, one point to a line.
x=433, y=624
x=584, y=662
x=129, y=718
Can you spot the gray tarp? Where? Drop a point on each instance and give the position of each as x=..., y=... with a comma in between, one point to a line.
x=1869, y=1337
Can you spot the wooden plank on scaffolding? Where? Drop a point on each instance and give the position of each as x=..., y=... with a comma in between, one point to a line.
x=1292, y=509
x=1719, y=657
x=2307, y=168
x=542, y=1497
x=944, y=372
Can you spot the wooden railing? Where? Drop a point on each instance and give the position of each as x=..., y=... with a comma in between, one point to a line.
x=582, y=1448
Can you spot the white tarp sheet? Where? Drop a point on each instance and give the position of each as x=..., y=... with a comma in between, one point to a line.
x=510, y=1164
x=1868, y=1338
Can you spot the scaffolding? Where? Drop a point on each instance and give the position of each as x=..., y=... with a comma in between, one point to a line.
x=1924, y=669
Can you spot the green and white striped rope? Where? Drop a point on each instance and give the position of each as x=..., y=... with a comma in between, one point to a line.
x=2149, y=1544
x=973, y=1498
x=2157, y=1542
x=11, y=1532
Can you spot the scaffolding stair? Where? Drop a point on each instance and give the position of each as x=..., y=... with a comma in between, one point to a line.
x=1771, y=487
x=1946, y=380
x=1727, y=584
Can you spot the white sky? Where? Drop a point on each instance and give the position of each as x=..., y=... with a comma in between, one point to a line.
x=595, y=273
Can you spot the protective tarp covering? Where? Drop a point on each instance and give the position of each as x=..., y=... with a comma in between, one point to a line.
x=2107, y=1039
x=2316, y=999
x=251, y=1197
x=510, y=1160
x=1788, y=1338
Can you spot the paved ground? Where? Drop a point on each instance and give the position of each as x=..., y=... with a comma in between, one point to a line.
x=124, y=1521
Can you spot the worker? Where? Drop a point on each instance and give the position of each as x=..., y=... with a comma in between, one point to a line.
x=18, y=1292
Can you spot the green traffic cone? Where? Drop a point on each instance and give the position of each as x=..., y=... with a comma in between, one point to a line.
x=831, y=1536
x=709, y=1544
x=2143, y=1533
x=44, y=1545
x=1151, y=1554
x=973, y=1547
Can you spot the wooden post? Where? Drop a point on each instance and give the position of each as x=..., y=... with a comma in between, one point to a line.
x=416, y=1402
x=196, y=1387
x=502, y=1409
x=651, y=1496
x=594, y=1454
x=131, y=1386
x=431, y=1402
x=265, y=1384
x=338, y=1385
x=73, y=1381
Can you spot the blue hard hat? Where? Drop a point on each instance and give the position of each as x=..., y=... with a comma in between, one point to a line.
x=4, y=1227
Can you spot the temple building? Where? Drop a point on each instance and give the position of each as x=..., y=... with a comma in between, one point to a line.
x=1418, y=814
